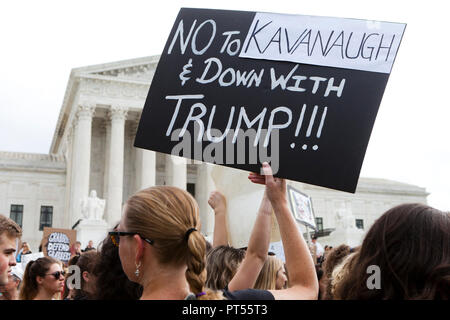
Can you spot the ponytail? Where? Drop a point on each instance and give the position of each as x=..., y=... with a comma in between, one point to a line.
x=29, y=287
x=196, y=268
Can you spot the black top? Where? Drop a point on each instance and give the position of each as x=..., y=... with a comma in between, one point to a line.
x=248, y=294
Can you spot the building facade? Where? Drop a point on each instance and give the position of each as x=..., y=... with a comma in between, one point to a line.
x=92, y=149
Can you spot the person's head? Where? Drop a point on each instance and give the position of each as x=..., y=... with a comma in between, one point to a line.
x=313, y=239
x=26, y=247
x=77, y=245
x=69, y=288
x=272, y=275
x=91, y=244
x=10, y=232
x=44, y=275
x=87, y=262
x=11, y=287
x=164, y=223
x=112, y=282
x=334, y=257
x=222, y=263
x=409, y=245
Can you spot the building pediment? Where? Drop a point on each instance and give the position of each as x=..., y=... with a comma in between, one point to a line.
x=126, y=80
x=140, y=69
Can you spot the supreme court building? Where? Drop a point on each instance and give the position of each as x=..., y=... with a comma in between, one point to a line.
x=92, y=149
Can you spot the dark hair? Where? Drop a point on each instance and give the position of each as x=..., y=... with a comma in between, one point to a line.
x=36, y=268
x=208, y=246
x=72, y=261
x=86, y=262
x=222, y=263
x=112, y=282
x=410, y=244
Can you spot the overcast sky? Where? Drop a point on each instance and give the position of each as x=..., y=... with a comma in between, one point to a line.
x=41, y=41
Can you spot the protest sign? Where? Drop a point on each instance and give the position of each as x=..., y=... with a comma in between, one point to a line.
x=238, y=88
x=301, y=206
x=26, y=258
x=56, y=243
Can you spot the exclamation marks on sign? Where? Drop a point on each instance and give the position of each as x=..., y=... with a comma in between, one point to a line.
x=310, y=125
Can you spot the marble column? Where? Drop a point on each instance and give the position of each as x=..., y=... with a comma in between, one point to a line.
x=146, y=162
x=107, y=130
x=176, y=174
x=203, y=187
x=117, y=115
x=81, y=157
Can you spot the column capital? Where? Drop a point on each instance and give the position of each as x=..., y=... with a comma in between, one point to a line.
x=118, y=112
x=85, y=110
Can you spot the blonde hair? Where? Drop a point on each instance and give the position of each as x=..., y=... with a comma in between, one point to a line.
x=340, y=272
x=222, y=263
x=165, y=214
x=267, y=278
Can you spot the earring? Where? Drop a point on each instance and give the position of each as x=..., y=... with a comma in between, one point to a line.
x=137, y=269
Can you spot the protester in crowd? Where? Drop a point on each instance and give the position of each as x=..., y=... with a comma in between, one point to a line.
x=161, y=248
x=334, y=258
x=316, y=249
x=69, y=281
x=89, y=247
x=272, y=275
x=256, y=251
x=23, y=251
x=224, y=267
x=218, y=203
x=88, y=281
x=302, y=278
x=10, y=291
x=10, y=233
x=75, y=250
x=222, y=263
x=404, y=255
x=42, y=280
x=112, y=282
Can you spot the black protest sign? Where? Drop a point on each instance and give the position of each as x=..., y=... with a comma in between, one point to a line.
x=238, y=88
x=56, y=243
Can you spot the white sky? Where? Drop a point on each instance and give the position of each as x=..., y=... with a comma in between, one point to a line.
x=41, y=41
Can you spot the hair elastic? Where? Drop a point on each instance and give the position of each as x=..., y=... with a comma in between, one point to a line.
x=200, y=294
x=186, y=236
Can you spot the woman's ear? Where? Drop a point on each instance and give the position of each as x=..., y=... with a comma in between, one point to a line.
x=139, y=249
x=39, y=279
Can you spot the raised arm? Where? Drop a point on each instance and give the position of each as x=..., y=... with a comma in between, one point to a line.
x=302, y=274
x=218, y=203
x=257, y=248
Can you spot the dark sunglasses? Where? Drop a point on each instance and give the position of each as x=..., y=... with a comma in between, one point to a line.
x=115, y=237
x=56, y=274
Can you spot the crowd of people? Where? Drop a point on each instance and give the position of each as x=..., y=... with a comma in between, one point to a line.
x=157, y=251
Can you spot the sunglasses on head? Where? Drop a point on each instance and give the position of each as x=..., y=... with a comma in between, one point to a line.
x=115, y=237
x=57, y=274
